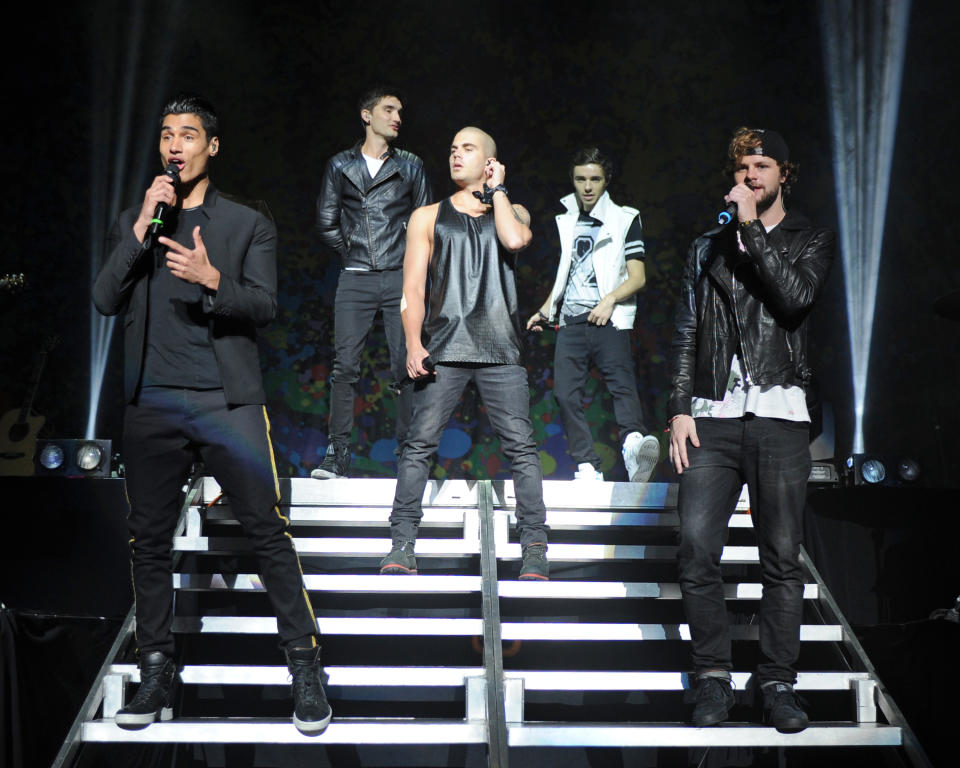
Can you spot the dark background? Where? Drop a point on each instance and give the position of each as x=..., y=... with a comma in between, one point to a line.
x=659, y=86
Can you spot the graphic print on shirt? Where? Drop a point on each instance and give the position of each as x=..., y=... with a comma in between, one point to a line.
x=582, y=294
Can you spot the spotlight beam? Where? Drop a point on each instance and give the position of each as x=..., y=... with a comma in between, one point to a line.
x=864, y=46
x=113, y=131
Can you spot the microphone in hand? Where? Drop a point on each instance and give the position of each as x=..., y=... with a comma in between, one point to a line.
x=160, y=213
x=727, y=214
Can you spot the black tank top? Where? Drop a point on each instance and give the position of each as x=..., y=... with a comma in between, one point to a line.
x=472, y=312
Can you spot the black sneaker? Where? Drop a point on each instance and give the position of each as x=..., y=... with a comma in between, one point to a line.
x=781, y=708
x=311, y=711
x=154, y=698
x=535, y=564
x=335, y=464
x=400, y=559
x=713, y=700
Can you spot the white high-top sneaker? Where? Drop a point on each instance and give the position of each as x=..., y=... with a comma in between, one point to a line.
x=640, y=456
x=587, y=471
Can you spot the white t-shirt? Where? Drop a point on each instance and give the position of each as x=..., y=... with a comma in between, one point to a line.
x=374, y=164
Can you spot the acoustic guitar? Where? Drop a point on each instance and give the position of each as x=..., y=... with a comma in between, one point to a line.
x=19, y=426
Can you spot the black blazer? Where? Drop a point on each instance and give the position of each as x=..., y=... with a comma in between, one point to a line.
x=241, y=242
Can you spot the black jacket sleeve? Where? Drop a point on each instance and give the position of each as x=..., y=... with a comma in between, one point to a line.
x=328, y=210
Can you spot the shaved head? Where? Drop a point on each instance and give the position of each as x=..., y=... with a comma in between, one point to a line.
x=482, y=139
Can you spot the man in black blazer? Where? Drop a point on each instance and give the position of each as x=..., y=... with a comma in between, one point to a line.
x=193, y=284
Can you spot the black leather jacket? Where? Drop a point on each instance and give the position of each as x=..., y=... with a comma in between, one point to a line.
x=752, y=304
x=364, y=219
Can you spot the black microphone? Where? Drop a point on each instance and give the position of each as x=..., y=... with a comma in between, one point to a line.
x=726, y=215
x=160, y=214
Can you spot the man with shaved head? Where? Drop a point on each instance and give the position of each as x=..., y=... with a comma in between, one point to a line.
x=467, y=329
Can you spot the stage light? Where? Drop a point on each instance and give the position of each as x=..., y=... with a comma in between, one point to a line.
x=73, y=458
x=864, y=46
x=908, y=470
x=52, y=457
x=89, y=456
x=875, y=469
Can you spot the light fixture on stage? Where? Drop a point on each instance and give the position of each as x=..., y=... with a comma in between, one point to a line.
x=73, y=458
x=875, y=469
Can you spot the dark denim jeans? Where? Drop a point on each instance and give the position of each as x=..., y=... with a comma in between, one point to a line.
x=506, y=395
x=578, y=348
x=773, y=458
x=360, y=295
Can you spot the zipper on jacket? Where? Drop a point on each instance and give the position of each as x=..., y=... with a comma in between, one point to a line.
x=747, y=380
x=366, y=218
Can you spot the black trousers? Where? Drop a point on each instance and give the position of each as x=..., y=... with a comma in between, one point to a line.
x=772, y=457
x=579, y=347
x=165, y=430
x=360, y=295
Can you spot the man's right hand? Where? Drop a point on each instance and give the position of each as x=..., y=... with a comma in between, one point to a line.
x=160, y=191
x=682, y=428
x=415, y=358
x=535, y=323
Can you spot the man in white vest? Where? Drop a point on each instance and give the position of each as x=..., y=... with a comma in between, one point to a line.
x=593, y=305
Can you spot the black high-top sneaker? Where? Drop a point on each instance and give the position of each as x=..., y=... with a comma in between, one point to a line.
x=335, y=464
x=154, y=697
x=311, y=711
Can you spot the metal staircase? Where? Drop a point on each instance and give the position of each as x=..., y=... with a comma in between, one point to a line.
x=463, y=653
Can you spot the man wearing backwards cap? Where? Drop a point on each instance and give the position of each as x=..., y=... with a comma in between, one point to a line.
x=738, y=415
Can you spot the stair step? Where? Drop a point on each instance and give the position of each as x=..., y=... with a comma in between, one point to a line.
x=451, y=677
x=429, y=584
x=349, y=547
x=599, y=680
x=367, y=491
x=267, y=625
x=345, y=516
x=558, y=519
x=282, y=731
x=821, y=734
x=614, y=589
x=214, y=674
x=344, y=582
x=610, y=631
x=456, y=547
x=594, y=552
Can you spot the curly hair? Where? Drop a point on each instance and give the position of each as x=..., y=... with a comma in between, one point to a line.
x=743, y=140
x=592, y=156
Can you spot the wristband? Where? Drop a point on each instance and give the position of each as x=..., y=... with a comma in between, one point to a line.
x=745, y=224
x=486, y=197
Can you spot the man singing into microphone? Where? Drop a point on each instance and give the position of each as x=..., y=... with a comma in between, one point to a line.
x=738, y=415
x=470, y=329
x=192, y=298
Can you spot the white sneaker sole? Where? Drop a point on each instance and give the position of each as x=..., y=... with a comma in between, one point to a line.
x=312, y=727
x=131, y=719
x=647, y=457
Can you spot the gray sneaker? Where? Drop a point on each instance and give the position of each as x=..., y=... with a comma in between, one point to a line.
x=535, y=566
x=400, y=559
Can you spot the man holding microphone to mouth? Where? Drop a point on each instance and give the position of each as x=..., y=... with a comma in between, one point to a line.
x=738, y=415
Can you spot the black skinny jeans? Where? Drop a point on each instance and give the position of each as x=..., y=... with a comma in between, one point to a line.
x=772, y=457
